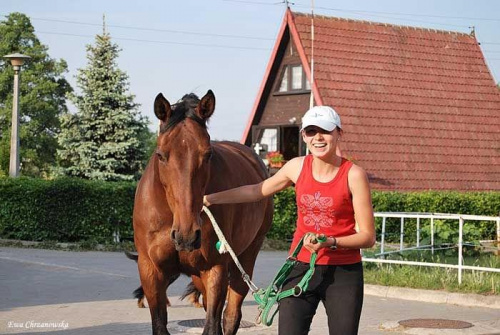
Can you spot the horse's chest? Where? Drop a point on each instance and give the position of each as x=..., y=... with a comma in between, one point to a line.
x=193, y=262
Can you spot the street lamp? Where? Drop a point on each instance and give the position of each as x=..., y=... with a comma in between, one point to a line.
x=17, y=60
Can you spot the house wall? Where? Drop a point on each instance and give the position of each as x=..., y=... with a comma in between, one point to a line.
x=281, y=107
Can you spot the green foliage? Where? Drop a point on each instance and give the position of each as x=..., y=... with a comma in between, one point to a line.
x=431, y=278
x=41, y=102
x=474, y=203
x=71, y=209
x=65, y=210
x=446, y=232
x=285, y=215
x=107, y=139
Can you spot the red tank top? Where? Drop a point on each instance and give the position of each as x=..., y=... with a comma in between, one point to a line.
x=325, y=208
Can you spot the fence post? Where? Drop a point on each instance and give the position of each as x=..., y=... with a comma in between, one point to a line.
x=432, y=234
x=402, y=233
x=460, y=244
x=382, y=238
x=498, y=235
x=418, y=232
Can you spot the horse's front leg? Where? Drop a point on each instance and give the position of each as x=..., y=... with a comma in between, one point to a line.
x=154, y=284
x=215, y=281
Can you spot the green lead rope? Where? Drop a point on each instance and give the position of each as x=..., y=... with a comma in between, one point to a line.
x=272, y=294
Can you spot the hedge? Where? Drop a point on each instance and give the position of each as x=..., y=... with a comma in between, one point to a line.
x=68, y=210
x=65, y=210
x=474, y=203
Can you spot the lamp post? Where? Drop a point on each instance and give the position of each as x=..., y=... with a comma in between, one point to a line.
x=17, y=60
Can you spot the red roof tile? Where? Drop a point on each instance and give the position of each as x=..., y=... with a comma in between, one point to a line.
x=420, y=108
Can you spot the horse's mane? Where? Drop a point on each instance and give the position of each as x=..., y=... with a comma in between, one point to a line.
x=183, y=109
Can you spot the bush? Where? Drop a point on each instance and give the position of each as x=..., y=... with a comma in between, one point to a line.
x=71, y=210
x=65, y=210
x=285, y=215
x=474, y=203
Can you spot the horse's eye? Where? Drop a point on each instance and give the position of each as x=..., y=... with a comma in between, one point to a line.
x=162, y=156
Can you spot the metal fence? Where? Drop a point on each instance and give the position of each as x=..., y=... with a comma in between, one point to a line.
x=431, y=216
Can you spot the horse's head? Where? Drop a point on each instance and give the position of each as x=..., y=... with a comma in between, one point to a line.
x=183, y=153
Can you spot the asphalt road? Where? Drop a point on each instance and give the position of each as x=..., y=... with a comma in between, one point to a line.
x=60, y=292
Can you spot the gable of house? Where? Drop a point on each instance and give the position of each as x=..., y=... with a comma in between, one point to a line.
x=420, y=108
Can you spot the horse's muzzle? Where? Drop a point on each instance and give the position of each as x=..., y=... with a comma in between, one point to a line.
x=185, y=243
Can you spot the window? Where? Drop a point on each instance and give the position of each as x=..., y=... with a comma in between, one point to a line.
x=293, y=79
x=283, y=138
x=296, y=77
x=284, y=82
x=269, y=139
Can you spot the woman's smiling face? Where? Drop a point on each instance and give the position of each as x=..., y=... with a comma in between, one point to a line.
x=320, y=142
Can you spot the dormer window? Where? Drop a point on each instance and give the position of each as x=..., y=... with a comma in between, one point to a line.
x=293, y=79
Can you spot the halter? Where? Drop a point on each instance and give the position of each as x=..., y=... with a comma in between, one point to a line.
x=273, y=293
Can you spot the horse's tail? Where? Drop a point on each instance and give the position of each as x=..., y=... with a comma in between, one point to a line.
x=192, y=294
x=131, y=256
x=139, y=293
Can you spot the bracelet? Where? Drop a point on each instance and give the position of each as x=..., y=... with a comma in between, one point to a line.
x=334, y=245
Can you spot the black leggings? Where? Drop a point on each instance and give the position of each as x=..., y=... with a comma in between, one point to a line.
x=339, y=287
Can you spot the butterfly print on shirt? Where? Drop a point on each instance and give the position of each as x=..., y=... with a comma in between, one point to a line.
x=317, y=211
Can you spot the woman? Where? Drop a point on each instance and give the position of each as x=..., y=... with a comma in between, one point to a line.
x=333, y=195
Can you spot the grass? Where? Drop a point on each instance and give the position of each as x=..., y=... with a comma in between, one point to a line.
x=434, y=278
x=430, y=278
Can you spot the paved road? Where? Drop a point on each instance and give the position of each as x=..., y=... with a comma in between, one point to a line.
x=77, y=293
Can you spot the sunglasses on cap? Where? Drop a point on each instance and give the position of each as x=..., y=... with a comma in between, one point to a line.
x=313, y=130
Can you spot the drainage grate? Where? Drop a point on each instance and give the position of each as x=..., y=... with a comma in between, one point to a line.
x=435, y=323
x=200, y=323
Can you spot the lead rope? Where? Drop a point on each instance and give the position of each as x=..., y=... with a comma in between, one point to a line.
x=226, y=247
x=272, y=294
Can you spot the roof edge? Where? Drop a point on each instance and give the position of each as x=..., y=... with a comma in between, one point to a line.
x=266, y=77
x=303, y=58
x=382, y=24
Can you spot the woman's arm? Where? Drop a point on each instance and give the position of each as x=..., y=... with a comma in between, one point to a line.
x=251, y=193
x=363, y=212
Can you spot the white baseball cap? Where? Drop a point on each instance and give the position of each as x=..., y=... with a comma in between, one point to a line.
x=321, y=116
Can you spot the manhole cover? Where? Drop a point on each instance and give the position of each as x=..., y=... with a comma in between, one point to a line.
x=435, y=323
x=200, y=323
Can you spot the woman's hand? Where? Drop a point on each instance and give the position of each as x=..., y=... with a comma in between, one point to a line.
x=313, y=244
x=205, y=201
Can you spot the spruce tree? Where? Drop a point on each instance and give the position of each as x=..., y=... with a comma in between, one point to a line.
x=106, y=138
x=42, y=98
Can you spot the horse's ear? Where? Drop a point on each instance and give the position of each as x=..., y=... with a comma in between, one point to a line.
x=162, y=108
x=206, y=106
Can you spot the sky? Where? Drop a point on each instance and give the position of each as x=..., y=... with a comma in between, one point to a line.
x=182, y=46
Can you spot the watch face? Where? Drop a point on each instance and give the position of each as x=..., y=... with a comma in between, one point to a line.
x=334, y=246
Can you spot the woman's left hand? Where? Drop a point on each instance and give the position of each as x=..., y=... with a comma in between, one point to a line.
x=311, y=242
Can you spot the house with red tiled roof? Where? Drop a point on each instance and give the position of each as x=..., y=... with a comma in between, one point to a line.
x=419, y=107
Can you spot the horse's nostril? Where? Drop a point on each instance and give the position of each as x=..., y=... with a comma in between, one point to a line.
x=197, y=239
x=172, y=234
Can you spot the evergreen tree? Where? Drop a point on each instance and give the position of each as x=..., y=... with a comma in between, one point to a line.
x=106, y=138
x=42, y=98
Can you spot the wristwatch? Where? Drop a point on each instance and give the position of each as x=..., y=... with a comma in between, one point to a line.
x=334, y=245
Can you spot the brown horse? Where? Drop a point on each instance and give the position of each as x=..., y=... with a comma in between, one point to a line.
x=172, y=235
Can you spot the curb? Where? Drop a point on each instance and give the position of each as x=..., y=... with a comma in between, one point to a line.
x=438, y=297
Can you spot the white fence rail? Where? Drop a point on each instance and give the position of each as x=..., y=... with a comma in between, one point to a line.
x=431, y=216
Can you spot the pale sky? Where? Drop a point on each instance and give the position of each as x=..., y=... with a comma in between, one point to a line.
x=182, y=46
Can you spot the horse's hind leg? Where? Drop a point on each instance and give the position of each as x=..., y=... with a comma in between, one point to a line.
x=238, y=289
x=154, y=284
